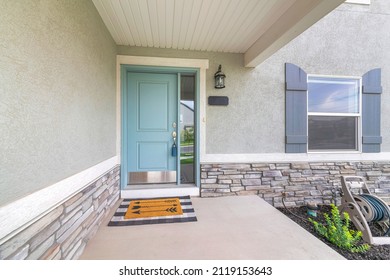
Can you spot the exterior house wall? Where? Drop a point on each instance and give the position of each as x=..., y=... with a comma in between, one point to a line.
x=343, y=43
x=58, y=115
x=245, y=141
x=59, y=174
x=64, y=231
x=226, y=125
x=57, y=92
x=348, y=42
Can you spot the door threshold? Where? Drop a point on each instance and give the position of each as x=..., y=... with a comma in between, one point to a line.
x=159, y=190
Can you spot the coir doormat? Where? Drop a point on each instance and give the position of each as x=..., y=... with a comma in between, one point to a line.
x=154, y=211
x=147, y=208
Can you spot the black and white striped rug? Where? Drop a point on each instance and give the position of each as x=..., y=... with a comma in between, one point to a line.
x=185, y=201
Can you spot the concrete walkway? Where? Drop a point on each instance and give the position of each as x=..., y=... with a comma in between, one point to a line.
x=239, y=227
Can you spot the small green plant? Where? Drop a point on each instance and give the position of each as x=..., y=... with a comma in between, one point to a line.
x=336, y=230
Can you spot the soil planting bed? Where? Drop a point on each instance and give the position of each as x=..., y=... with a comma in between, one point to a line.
x=381, y=252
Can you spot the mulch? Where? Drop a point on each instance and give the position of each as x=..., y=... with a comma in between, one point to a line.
x=299, y=215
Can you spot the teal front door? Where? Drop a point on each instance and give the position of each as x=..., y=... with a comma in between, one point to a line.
x=151, y=127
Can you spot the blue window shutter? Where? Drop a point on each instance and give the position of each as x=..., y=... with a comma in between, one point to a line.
x=296, y=109
x=371, y=111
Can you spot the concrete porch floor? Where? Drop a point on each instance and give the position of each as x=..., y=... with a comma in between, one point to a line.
x=234, y=228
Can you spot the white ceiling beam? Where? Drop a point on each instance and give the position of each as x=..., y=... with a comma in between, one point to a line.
x=300, y=16
x=252, y=20
x=271, y=11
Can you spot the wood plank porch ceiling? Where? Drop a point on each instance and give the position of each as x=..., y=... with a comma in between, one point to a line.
x=256, y=28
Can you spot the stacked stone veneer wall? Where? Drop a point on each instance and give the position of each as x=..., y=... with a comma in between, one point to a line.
x=301, y=182
x=64, y=231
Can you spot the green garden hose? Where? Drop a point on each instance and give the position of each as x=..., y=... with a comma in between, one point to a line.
x=374, y=210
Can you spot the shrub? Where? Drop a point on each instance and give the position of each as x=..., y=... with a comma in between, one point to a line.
x=336, y=230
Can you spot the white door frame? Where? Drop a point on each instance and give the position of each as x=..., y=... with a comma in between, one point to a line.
x=202, y=65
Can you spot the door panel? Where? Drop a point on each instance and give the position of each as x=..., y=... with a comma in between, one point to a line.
x=153, y=107
x=152, y=110
x=152, y=156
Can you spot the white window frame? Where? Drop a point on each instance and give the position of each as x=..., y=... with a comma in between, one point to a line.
x=358, y=115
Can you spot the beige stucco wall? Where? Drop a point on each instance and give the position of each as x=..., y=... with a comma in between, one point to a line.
x=350, y=41
x=57, y=93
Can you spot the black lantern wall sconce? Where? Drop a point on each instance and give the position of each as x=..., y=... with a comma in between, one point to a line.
x=219, y=77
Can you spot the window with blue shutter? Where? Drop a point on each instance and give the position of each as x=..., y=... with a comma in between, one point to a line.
x=323, y=112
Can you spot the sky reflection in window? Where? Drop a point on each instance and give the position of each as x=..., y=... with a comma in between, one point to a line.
x=333, y=95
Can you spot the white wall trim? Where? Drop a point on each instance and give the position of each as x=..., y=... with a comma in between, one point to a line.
x=201, y=64
x=361, y=2
x=160, y=192
x=38, y=204
x=282, y=157
x=163, y=61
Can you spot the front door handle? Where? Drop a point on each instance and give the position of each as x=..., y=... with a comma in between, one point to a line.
x=174, y=147
x=174, y=134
